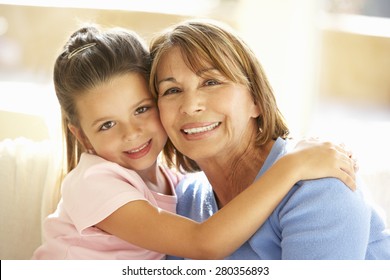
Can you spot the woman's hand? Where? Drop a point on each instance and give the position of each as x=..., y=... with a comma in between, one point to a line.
x=319, y=159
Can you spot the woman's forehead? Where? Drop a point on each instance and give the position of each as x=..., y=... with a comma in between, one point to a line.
x=194, y=60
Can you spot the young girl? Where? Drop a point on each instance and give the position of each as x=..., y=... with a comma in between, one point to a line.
x=118, y=201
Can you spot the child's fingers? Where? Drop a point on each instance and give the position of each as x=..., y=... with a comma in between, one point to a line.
x=347, y=179
x=348, y=173
x=342, y=148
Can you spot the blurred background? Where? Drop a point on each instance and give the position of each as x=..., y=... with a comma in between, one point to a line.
x=328, y=62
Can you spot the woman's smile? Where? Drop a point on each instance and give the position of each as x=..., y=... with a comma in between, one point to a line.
x=198, y=129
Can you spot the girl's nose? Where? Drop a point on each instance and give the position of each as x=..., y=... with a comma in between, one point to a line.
x=132, y=131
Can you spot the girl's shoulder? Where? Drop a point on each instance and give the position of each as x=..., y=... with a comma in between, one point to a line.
x=93, y=170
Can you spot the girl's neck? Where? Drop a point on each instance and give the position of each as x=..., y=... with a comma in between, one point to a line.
x=155, y=179
x=230, y=177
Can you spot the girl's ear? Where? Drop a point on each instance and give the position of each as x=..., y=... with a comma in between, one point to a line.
x=79, y=134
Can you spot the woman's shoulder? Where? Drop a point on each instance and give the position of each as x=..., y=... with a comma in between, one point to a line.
x=193, y=184
x=323, y=194
x=326, y=199
x=195, y=197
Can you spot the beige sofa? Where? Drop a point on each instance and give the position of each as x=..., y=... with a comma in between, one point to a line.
x=27, y=193
x=30, y=160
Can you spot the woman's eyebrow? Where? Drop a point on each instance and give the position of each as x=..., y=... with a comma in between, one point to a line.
x=169, y=79
x=201, y=72
x=198, y=73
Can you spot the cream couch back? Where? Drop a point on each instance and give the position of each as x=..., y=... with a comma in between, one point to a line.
x=30, y=162
x=28, y=172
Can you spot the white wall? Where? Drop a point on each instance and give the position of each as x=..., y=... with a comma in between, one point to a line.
x=285, y=36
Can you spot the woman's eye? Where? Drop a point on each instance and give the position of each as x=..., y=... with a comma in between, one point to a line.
x=170, y=91
x=212, y=83
x=107, y=125
x=141, y=110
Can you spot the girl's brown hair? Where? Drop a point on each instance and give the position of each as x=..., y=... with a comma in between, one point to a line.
x=204, y=42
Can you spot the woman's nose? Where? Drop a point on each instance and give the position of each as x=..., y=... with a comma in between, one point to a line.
x=192, y=103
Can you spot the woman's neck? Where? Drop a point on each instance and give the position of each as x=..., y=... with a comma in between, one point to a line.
x=230, y=176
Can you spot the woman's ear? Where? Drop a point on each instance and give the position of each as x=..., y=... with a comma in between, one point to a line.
x=79, y=134
x=256, y=111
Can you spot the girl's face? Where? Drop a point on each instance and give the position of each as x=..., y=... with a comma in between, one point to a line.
x=205, y=115
x=119, y=120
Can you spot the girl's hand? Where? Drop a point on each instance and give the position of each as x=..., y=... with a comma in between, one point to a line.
x=319, y=159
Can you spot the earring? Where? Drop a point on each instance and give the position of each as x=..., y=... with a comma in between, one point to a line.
x=260, y=130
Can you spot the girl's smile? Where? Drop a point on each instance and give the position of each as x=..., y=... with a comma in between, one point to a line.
x=140, y=151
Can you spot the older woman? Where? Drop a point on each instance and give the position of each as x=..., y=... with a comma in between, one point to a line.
x=222, y=118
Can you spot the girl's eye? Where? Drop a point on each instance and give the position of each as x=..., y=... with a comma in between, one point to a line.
x=107, y=125
x=141, y=110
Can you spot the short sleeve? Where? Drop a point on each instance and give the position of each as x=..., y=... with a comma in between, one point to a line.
x=94, y=193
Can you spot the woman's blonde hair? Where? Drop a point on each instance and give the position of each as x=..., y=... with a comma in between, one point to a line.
x=205, y=42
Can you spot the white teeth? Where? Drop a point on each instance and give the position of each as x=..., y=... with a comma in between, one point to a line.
x=139, y=149
x=200, y=129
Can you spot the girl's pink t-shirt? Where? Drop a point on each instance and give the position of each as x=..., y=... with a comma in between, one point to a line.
x=90, y=193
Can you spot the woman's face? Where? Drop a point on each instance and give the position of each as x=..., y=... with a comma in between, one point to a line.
x=204, y=114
